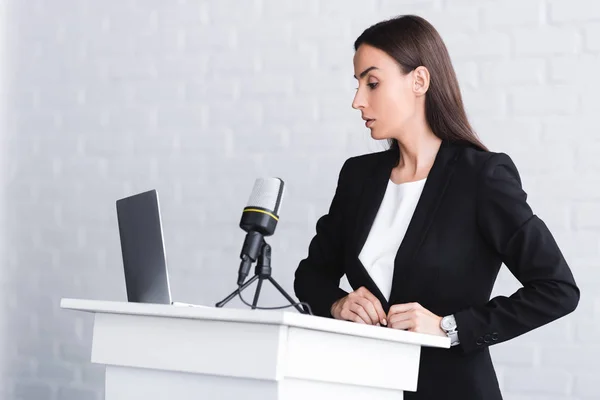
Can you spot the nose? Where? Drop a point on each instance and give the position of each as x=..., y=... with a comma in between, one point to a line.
x=359, y=101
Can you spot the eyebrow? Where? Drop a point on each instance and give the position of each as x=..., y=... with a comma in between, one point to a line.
x=366, y=71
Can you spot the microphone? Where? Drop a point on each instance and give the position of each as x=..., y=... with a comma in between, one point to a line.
x=259, y=219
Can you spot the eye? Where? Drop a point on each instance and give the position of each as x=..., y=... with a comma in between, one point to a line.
x=373, y=85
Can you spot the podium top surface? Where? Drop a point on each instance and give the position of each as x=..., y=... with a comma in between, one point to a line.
x=272, y=317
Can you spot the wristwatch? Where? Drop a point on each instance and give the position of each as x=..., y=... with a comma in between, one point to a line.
x=448, y=325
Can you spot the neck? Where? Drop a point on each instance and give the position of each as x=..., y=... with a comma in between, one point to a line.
x=418, y=152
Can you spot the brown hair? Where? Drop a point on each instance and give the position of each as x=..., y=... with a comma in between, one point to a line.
x=414, y=42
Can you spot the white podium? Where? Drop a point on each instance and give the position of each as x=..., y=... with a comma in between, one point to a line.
x=156, y=351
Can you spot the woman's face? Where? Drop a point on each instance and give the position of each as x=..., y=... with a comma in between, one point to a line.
x=386, y=98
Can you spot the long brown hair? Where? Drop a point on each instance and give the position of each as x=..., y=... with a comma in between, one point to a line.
x=412, y=42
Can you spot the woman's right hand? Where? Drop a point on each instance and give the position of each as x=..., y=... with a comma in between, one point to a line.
x=359, y=306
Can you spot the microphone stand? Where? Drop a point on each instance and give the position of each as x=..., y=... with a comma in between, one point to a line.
x=262, y=272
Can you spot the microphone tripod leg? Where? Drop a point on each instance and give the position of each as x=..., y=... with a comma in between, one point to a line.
x=237, y=291
x=257, y=293
x=287, y=296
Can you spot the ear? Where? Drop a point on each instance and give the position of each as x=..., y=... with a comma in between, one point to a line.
x=421, y=79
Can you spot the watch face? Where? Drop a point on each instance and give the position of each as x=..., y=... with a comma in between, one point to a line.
x=448, y=323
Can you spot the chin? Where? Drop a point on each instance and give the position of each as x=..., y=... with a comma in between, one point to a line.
x=377, y=136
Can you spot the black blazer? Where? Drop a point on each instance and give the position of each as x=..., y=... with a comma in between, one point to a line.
x=471, y=217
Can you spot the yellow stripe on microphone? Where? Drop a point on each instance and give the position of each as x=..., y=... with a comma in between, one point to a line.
x=261, y=211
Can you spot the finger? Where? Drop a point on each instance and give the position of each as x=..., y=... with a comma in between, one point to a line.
x=370, y=309
x=406, y=324
x=381, y=317
x=400, y=308
x=404, y=316
x=349, y=315
x=358, y=309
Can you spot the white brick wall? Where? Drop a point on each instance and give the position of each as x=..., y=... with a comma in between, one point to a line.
x=198, y=98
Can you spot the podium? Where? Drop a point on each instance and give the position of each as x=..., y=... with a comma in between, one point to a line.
x=154, y=351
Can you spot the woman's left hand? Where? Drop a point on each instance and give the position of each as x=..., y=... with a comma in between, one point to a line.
x=414, y=318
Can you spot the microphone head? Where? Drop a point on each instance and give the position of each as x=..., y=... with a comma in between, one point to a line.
x=267, y=194
x=262, y=210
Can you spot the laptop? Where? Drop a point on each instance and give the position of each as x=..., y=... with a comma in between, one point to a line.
x=143, y=250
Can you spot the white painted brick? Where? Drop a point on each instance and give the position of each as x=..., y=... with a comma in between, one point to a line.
x=490, y=45
x=564, y=11
x=234, y=12
x=513, y=355
x=33, y=390
x=587, y=158
x=586, y=215
x=556, y=331
x=331, y=139
x=73, y=393
x=274, y=35
x=267, y=85
x=199, y=39
x=169, y=15
x=563, y=70
x=557, y=215
x=333, y=57
x=333, y=8
x=154, y=94
x=534, y=381
x=513, y=132
x=275, y=9
x=183, y=118
x=522, y=72
x=61, y=373
x=104, y=144
x=552, y=100
x=73, y=168
x=233, y=62
x=298, y=108
x=511, y=13
x=318, y=31
x=467, y=74
x=396, y=7
x=491, y=103
x=555, y=127
x=454, y=19
x=125, y=119
x=546, y=41
x=576, y=358
x=103, y=46
x=74, y=352
x=578, y=245
x=513, y=396
x=92, y=375
x=586, y=386
x=588, y=331
x=589, y=104
x=592, y=37
x=339, y=112
x=297, y=62
x=174, y=66
x=20, y=368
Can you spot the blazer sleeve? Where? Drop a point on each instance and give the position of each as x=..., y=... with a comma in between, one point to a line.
x=317, y=277
x=530, y=252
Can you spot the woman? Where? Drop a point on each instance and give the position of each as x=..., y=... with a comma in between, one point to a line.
x=421, y=229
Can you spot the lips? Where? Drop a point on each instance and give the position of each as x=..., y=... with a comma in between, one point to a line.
x=368, y=122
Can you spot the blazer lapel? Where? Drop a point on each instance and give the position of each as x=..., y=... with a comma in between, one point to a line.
x=372, y=196
x=438, y=180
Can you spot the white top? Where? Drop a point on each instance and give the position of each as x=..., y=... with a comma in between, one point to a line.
x=388, y=230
